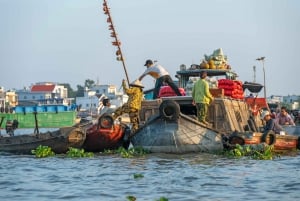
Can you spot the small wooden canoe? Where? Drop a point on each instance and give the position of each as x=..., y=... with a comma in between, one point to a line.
x=59, y=140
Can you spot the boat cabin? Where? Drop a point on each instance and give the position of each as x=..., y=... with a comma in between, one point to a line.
x=226, y=114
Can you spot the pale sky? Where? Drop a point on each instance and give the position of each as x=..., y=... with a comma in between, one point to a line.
x=68, y=41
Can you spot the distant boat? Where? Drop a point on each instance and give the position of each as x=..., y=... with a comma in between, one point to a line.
x=47, y=116
x=59, y=141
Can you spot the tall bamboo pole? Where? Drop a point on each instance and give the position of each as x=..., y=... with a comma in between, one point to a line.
x=114, y=34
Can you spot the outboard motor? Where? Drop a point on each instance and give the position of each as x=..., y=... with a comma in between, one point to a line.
x=11, y=126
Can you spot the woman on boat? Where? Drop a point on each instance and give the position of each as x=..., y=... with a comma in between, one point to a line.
x=133, y=105
x=283, y=118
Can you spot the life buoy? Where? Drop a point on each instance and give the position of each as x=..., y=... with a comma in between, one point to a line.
x=272, y=137
x=105, y=121
x=169, y=110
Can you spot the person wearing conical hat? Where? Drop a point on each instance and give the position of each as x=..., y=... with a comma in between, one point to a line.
x=270, y=123
x=133, y=104
x=161, y=75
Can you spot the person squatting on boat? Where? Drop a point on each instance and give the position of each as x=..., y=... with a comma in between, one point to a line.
x=202, y=97
x=133, y=105
x=283, y=118
x=270, y=123
x=161, y=75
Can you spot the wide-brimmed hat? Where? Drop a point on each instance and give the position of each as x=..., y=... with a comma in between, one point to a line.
x=264, y=113
x=137, y=83
x=149, y=61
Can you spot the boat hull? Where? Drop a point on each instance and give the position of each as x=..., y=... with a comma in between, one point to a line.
x=99, y=139
x=281, y=142
x=183, y=135
x=59, y=141
x=43, y=119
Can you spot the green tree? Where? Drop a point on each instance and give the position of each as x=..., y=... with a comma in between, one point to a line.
x=71, y=92
x=89, y=83
x=80, y=91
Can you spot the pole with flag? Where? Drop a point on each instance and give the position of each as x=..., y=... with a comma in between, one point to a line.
x=116, y=42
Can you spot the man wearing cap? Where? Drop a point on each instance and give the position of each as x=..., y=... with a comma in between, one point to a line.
x=134, y=103
x=161, y=75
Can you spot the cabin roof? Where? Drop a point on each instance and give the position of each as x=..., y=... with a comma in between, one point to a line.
x=210, y=72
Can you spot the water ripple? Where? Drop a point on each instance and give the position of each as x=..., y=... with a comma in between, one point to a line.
x=185, y=177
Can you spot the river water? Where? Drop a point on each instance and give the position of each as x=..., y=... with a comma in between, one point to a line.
x=175, y=177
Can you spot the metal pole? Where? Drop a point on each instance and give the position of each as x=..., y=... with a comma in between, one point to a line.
x=254, y=74
x=265, y=87
x=262, y=59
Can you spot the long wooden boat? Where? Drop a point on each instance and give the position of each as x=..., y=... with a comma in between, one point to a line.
x=280, y=142
x=106, y=134
x=59, y=140
x=169, y=124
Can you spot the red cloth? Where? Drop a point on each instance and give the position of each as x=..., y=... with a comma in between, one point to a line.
x=166, y=91
x=232, y=88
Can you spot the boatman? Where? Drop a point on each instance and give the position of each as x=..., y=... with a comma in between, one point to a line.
x=202, y=97
x=161, y=75
x=133, y=105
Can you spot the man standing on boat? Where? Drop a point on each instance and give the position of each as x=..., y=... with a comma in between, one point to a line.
x=161, y=75
x=202, y=97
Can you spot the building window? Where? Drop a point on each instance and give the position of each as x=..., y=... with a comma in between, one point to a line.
x=87, y=105
x=33, y=97
x=25, y=97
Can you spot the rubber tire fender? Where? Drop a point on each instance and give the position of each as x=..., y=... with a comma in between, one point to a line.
x=106, y=121
x=236, y=139
x=272, y=137
x=169, y=110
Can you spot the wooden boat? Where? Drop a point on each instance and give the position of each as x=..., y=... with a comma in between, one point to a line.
x=169, y=124
x=106, y=135
x=47, y=116
x=59, y=140
x=167, y=129
x=280, y=142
